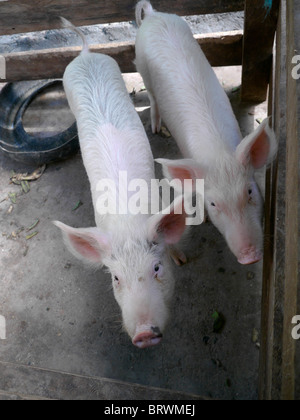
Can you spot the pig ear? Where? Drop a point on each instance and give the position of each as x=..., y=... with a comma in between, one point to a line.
x=89, y=245
x=259, y=148
x=182, y=169
x=171, y=223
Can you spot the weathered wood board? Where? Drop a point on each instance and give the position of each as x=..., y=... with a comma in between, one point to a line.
x=280, y=352
x=221, y=49
x=18, y=16
x=259, y=31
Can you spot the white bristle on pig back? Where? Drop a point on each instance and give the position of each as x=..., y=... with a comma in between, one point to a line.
x=185, y=93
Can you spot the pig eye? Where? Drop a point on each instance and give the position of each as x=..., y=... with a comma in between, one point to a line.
x=158, y=270
x=213, y=204
x=116, y=279
x=250, y=192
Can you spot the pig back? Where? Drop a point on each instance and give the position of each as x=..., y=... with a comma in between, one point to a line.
x=112, y=138
x=97, y=93
x=190, y=98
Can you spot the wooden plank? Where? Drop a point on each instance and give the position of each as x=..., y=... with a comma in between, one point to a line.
x=291, y=204
x=51, y=63
x=259, y=31
x=222, y=49
x=270, y=373
x=281, y=290
x=17, y=16
x=268, y=288
x=273, y=275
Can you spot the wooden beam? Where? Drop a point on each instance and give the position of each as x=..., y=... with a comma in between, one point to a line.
x=259, y=31
x=273, y=274
x=222, y=49
x=268, y=287
x=51, y=63
x=291, y=204
x=270, y=374
x=281, y=289
x=18, y=16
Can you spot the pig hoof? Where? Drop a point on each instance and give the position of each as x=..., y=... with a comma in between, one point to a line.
x=155, y=129
x=156, y=124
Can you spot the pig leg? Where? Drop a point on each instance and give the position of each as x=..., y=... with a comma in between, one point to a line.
x=155, y=115
x=177, y=255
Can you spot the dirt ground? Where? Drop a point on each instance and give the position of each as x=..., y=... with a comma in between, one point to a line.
x=61, y=316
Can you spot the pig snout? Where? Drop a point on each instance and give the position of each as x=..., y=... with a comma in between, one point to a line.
x=250, y=256
x=246, y=242
x=146, y=337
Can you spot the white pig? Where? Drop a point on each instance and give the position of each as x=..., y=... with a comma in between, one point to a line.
x=135, y=248
x=185, y=92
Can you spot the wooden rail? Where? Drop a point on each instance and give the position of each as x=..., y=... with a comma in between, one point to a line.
x=222, y=49
x=279, y=360
x=17, y=16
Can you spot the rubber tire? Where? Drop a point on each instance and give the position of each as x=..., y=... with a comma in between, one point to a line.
x=15, y=98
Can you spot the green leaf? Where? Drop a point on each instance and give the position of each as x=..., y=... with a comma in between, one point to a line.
x=235, y=89
x=219, y=322
x=79, y=204
x=25, y=186
x=31, y=236
x=13, y=197
x=32, y=226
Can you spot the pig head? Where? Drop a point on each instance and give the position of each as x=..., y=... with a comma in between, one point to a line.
x=232, y=197
x=136, y=254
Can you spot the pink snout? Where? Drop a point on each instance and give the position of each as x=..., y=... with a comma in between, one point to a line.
x=147, y=338
x=250, y=256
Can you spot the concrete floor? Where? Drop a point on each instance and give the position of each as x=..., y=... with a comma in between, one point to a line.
x=62, y=317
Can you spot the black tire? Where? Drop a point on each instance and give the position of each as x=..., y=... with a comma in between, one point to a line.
x=15, y=98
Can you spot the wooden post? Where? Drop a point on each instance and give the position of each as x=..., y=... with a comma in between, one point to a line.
x=291, y=203
x=259, y=31
x=221, y=49
x=281, y=290
x=18, y=16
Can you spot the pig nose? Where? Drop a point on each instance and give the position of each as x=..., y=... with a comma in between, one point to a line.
x=147, y=338
x=250, y=256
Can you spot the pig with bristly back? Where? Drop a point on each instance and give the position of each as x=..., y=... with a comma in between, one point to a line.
x=185, y=92
x=135, y=248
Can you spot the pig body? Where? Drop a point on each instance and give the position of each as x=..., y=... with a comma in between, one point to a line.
x=135, y=248
x=185, y=92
